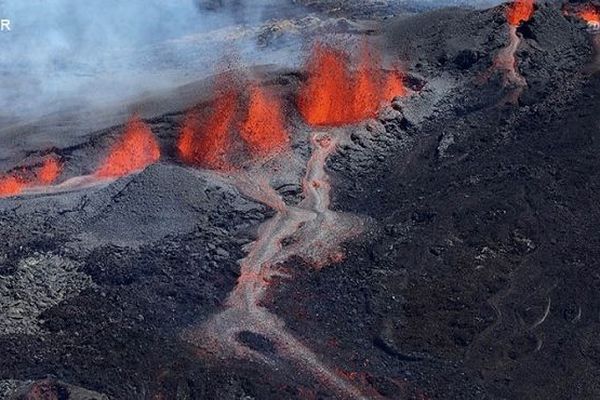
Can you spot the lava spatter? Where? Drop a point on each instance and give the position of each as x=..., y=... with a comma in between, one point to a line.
x=49, y=172
x=205, y=140
x=318, y=234
x=133, y=151
x=394, y=85
x=263, y=130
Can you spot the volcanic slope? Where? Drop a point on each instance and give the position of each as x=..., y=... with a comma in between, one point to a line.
x=476, y=277
x=485, y=260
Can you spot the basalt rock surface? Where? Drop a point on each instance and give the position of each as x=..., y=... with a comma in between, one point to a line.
x=476, y=276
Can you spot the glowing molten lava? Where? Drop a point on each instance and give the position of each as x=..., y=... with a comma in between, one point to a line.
x=207, y=137
x=337, y=94
x=520, y=11
x=206, y=143
x=589, y=14
x=394, y=86
x=49, y=172
x=264, y=129
x=11, y=186
x=135, y=150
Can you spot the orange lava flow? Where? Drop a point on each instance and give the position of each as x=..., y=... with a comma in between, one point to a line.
x=49, y=172
x=135, y=150
x=11, y=186
x=337, y=94
x=206, y=143
x=264, y=128
x=520, y=11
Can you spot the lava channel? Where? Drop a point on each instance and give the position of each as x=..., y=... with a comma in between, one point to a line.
x=506, y=62
x=318, y=233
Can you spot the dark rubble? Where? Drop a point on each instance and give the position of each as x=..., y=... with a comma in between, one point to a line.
x=477, y=278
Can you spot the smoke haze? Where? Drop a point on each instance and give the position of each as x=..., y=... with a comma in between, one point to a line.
x=71, y=53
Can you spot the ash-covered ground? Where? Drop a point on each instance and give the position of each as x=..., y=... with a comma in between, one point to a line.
x=476, y=276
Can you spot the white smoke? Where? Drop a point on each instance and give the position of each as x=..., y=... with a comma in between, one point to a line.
x=73, y=53
x=63, y=53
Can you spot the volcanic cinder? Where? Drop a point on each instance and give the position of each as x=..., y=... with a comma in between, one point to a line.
x=377, y=222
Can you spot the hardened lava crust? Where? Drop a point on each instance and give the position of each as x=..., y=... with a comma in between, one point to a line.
x=469, y=269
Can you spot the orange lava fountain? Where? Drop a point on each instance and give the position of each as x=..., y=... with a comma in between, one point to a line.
x=15, y=184
x=207, y=137
x=337, y=94
x=11, y=186
x=520, y=11
x=264, y=129
x=206, y=143
x=49, y=172
x=590, y=15
x=394, y=86
x=135, y=150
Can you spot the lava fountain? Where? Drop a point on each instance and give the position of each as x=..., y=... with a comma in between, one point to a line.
x=208, y=136
x=16, y=183
x=11, y=185
x=134, y=151
x=520, y=11
x=590, y=14
x=206, y=141
x=264, y=127
x=49, y=172
x=338, y=93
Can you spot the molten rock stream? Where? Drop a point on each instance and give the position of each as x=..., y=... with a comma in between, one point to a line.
x=311, y=231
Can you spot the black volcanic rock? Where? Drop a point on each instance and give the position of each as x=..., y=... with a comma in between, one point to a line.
x=476, y=275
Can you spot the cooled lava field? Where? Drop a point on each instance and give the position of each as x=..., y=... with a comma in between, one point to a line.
x=409, y=213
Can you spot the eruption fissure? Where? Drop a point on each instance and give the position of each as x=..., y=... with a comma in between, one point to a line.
x=17, y=183
x=319, y=233
x=257, y=119
x=133, y=151
x=520, y=11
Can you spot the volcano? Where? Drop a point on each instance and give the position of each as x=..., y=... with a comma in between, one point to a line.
x=407, y=212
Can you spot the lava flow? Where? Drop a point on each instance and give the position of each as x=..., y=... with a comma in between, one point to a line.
x=337, y=94
x=135, y=150
x=518, y=12
x=317, y=234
